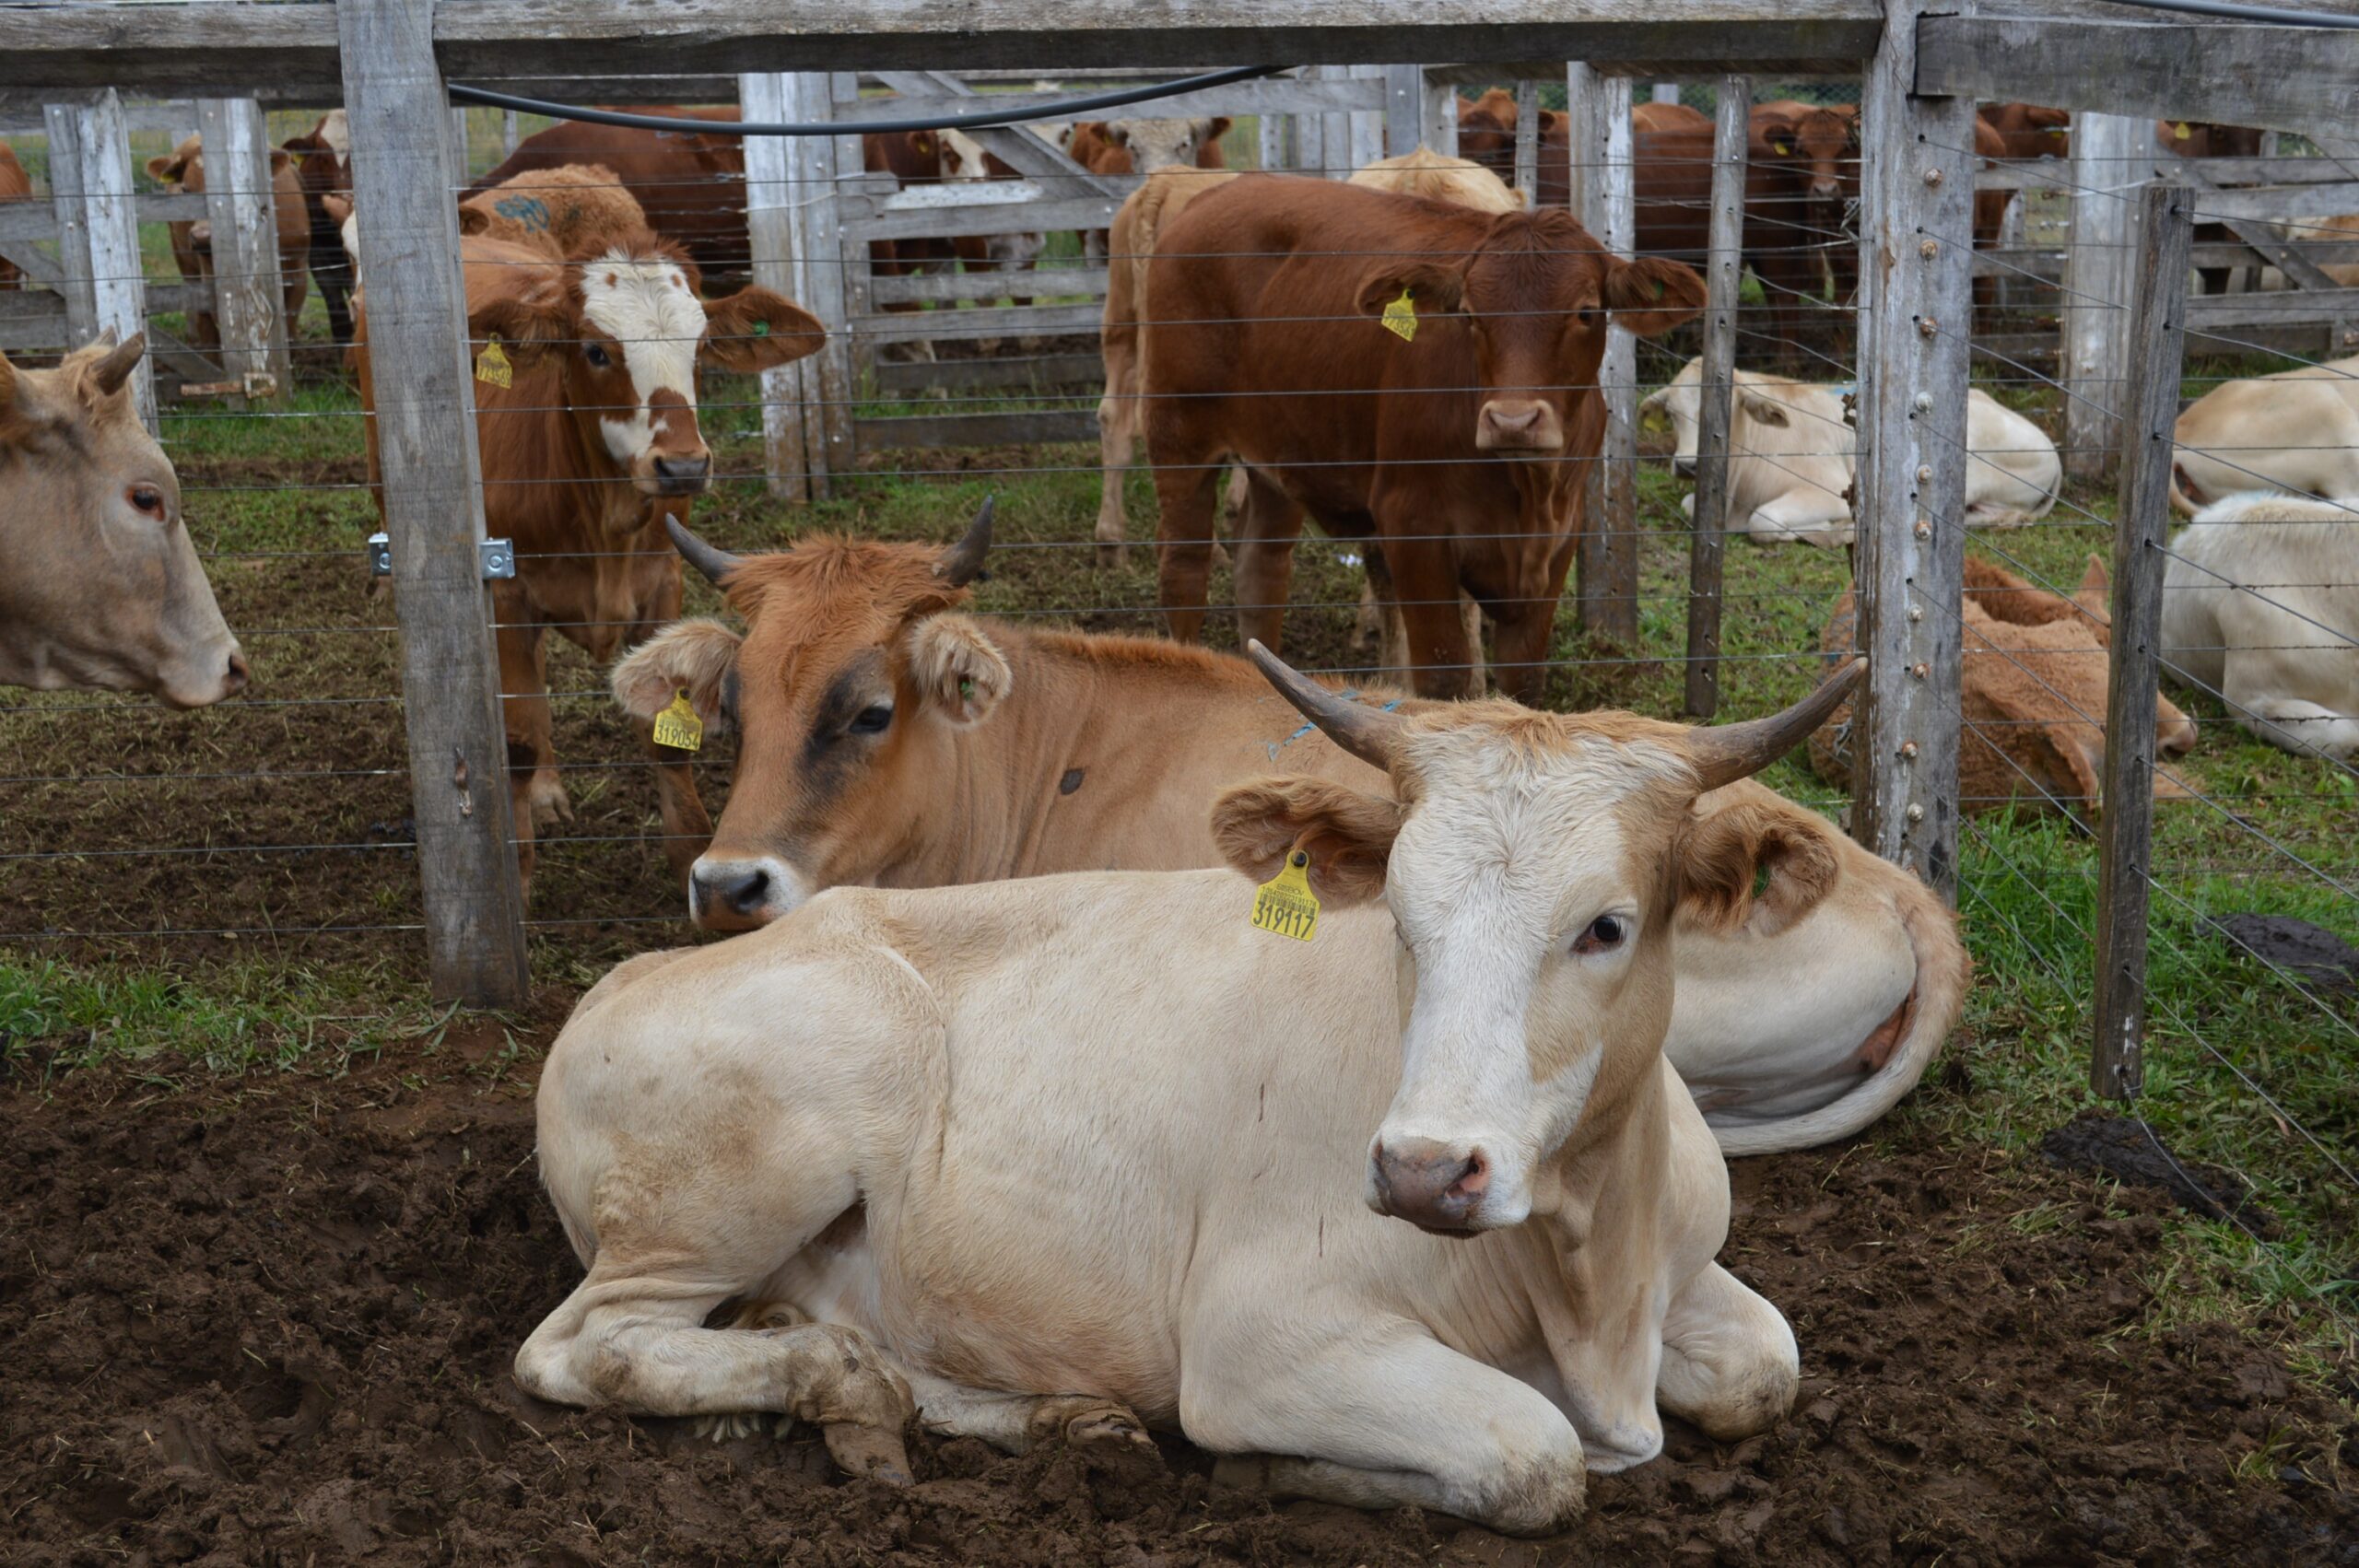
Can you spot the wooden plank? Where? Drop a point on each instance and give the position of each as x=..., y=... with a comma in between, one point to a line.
x=2299, y=270
x=1440, y=114
x=1023, y=372
x=1024, y=150
x=1271, y=131
x=1001, y=206
x=403, y=174
x=2275, y=308
x=1909, y=558
x=1527, y=140
x=1607, y=556
x=2107, y=149
x=249, y=306
x=1004, y=320
x=169, y=50
x=103, y=248
x=2048, y=173
x=769, y=226
x=1365, y=140
x=1271, y=95
x=69, y=223
x=926, y=431
x=828, y=251
x=1723, y=271
x=39, y=265
x=2282, y=78
x=2280, y=202
x=1055, y=283
x=2140, y=531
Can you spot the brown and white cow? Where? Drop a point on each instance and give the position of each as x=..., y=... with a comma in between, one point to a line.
x=973, y=1154
x=100, y=586
x=323, y=157
x=886, y=738
x=183, y=169
x=1460, y=449
x=586, y=415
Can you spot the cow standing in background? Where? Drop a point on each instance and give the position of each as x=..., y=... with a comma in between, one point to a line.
x=182, y=169
x=16, y=185
x=586, y=418
x=2027, y=130
x=1460, y=449
x=323, y=158
x=100, y=584
x=1143, y=146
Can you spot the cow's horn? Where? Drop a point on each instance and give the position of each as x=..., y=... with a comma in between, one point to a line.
x=1726, y=753
x=963, y=562
x=110, y=374
x=711, y=560
x=1366, y=732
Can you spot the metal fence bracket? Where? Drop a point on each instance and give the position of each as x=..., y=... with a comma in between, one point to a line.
x=381, y=555
x=499, y=558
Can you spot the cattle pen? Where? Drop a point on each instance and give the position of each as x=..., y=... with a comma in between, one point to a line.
x=276, y=977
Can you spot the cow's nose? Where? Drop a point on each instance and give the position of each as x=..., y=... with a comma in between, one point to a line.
x=238, y=675
x=1523, y=426
x=1825, y=188
x=1433, y=1186
x=738, y=891
x=1684, y=466
x=2177, y=737
x=683, y=475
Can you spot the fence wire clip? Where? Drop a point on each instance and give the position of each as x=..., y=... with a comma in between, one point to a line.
x=381, y=555
x=498, y=558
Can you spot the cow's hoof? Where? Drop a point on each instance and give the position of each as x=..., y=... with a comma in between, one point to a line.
x=1113, y=557
x=729, y=1428
x=867, y=1453
x=549, y=800
x=1084, y=1422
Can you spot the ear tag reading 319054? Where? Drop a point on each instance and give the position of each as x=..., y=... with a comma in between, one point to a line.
x=1401, y=318
x=678, y=726
x=1285, y=904
x=492, y=365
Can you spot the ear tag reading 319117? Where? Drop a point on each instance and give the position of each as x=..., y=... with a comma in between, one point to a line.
x=492, y=365
x=678, y=726
x=1401, y=318
x=1285, y=904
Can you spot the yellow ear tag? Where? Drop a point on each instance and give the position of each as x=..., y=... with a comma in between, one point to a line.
x=492, y=364
x=1399, y=320
x=678, y=726
x=2183, y=132
x=1286, y=904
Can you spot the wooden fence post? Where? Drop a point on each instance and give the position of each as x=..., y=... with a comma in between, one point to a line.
x=1365, y=135
x=249, y=293
x=1916, y=269
x=777, y=263
x=2164, y=235
x=1311, y=131
x=1405, y=109
x=2098, y=285
x=402, y=177
x=1272, y=130
x=827, y=379
x=1440, y=116
x=1526, y=141
x=507, y=136
x=1599, y=109
x=1724, y=267
x=1666, y=92
x=98, y=231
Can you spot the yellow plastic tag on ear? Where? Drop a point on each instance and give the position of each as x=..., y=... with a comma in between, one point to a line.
x=492, y=364
x=2182, y=131
x=678, y=726
x=1286, y=904
x=1401, y=320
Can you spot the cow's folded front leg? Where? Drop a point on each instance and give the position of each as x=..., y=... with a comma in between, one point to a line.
x=1017, y=1423
x=1730, y=1364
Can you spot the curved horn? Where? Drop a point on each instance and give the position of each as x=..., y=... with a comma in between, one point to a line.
x=710, y=560
x=1726, y=753
x=1366, y=732
x=109, y=374
x=963, y=562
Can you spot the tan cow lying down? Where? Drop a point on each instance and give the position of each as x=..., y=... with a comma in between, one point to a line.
x=1791, y=455
x=987, y=1161
x=1122, y=418
x=2260, y=605
x=100, y=585
x=560, y=210
x=2035, y=696
x=2298, y=430
x=887, y=739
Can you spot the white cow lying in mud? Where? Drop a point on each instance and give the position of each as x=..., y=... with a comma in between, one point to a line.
x=1070, y=1154
x=1791, y=455
x=2260, y=604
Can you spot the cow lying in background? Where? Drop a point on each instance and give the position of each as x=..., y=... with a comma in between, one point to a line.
x=885, y=739
x=1791, y=454
x=2298, y=430
x=2034, y=696
x=1458, y=443
x=586, y=418
x=990, y=1169
x=100, y=586
x=183, y=169
x=2260, y=605
x=1121, y=415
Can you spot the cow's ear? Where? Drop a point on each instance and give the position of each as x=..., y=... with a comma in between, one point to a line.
x=924, y=145
x=1213, y=129
x=166, y=169
x=1761, y=409
x=2095, y=594
x=298, y=145
x=1347, y=834
x=472, y=219
x=1432, y=287
x=1765, y=863
x=691, y=656
x=528, y=322
x=1650, y=296
x=2065, y=757
x=755, y=328
x=958, y=670
x=1555, y=122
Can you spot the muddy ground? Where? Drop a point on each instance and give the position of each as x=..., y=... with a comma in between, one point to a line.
x=271, y=1323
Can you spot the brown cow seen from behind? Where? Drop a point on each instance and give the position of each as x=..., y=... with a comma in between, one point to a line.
x=1462, y=451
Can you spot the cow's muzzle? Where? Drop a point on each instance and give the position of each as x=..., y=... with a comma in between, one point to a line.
x=742, y=896
x=683, y=475
x=1684, y=466
x=1433, y=1186
x=1518, y=429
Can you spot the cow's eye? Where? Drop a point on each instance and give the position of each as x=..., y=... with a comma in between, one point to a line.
x=1604, y=933
x=597, y=356
x=872, y=721
x=147, y=498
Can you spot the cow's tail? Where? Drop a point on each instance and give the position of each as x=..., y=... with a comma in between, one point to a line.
x=2180, y=485
x=1942, y=969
